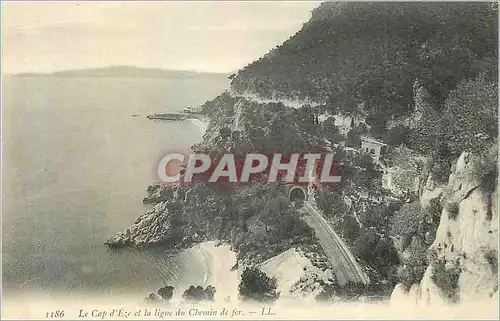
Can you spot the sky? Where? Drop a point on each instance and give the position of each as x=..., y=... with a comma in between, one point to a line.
x=220, y=36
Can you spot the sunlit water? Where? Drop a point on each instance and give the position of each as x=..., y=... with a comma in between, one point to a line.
x=76, y=164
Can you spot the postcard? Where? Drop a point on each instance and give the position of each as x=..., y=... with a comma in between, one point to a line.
x=249, y=160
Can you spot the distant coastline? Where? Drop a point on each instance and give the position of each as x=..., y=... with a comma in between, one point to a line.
x=124, y=72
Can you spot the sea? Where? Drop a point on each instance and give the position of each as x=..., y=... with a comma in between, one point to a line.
x=77, y=157
x=76, y=163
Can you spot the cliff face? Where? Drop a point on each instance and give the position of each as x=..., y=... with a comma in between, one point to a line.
x=463, y=257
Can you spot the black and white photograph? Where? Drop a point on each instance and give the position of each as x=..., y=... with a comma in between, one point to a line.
x=249, y=160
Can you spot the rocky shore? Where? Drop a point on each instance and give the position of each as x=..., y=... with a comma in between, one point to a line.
x=156, y=227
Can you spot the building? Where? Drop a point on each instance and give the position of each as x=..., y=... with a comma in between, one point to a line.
x=193, y=110
x=374, y=147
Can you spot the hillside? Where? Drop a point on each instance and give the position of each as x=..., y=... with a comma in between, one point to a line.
x=125, y=72
x=355, y=52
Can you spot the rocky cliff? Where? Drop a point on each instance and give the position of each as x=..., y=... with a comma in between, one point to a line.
x=463, y=259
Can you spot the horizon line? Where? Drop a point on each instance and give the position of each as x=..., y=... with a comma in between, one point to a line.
x=122, y=65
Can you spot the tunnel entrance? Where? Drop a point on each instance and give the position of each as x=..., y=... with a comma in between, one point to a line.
x=297, y=196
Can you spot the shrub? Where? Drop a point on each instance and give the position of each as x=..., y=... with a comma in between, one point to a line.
x=492, y=259
x=330, y=131
x=432, y=255
x=415, y=263
x=352, y=291
x=397, y=135
x=470, y=116
x=236, y=135
x=452, y=209
x=152, y=298
x=353, y=139
x=486, y=170
x=225, y=132
x=196, y=294
x=409, y=168
x=431, y=218
x=446, y=279
x=329, y=199
x=293, y=226
x=349, y=228
x=256, y=285
x=348, y=291
x=434, y=209
x=405, y=222
x=441, y=170
x=166, y=292
x=209, y=293
x=376, y=251
x=326, y=294
x=468, y=121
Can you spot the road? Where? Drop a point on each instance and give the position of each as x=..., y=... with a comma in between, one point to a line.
x=345, y=266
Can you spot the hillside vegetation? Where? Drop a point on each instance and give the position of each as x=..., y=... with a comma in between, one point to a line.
x=373, y=52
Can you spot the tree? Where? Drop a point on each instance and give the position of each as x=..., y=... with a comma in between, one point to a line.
x=471, y=116
x=377, y=122
x=468, y=123
x=152, y=298
x=376, y=216
x=349, y=291
x=209, y=293
x=235, y=135
x=408, y=168
x=225, y=132
x=195, y=294
x=446, y=278
x=166, y=292
x=414, y=263
x=330, y=131
x=405, y=222
x=441, y=168
x=373, y=52
x=353, y=139
x=377, y=251
x=256, y=285
x=427, y=137
x=397, y=135
x=293, y=226
x=275, y=206
x=349, y=228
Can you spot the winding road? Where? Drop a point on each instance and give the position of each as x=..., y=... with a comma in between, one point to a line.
x=344, y=264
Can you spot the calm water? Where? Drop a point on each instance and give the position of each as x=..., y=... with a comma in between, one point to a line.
x=76, y=164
